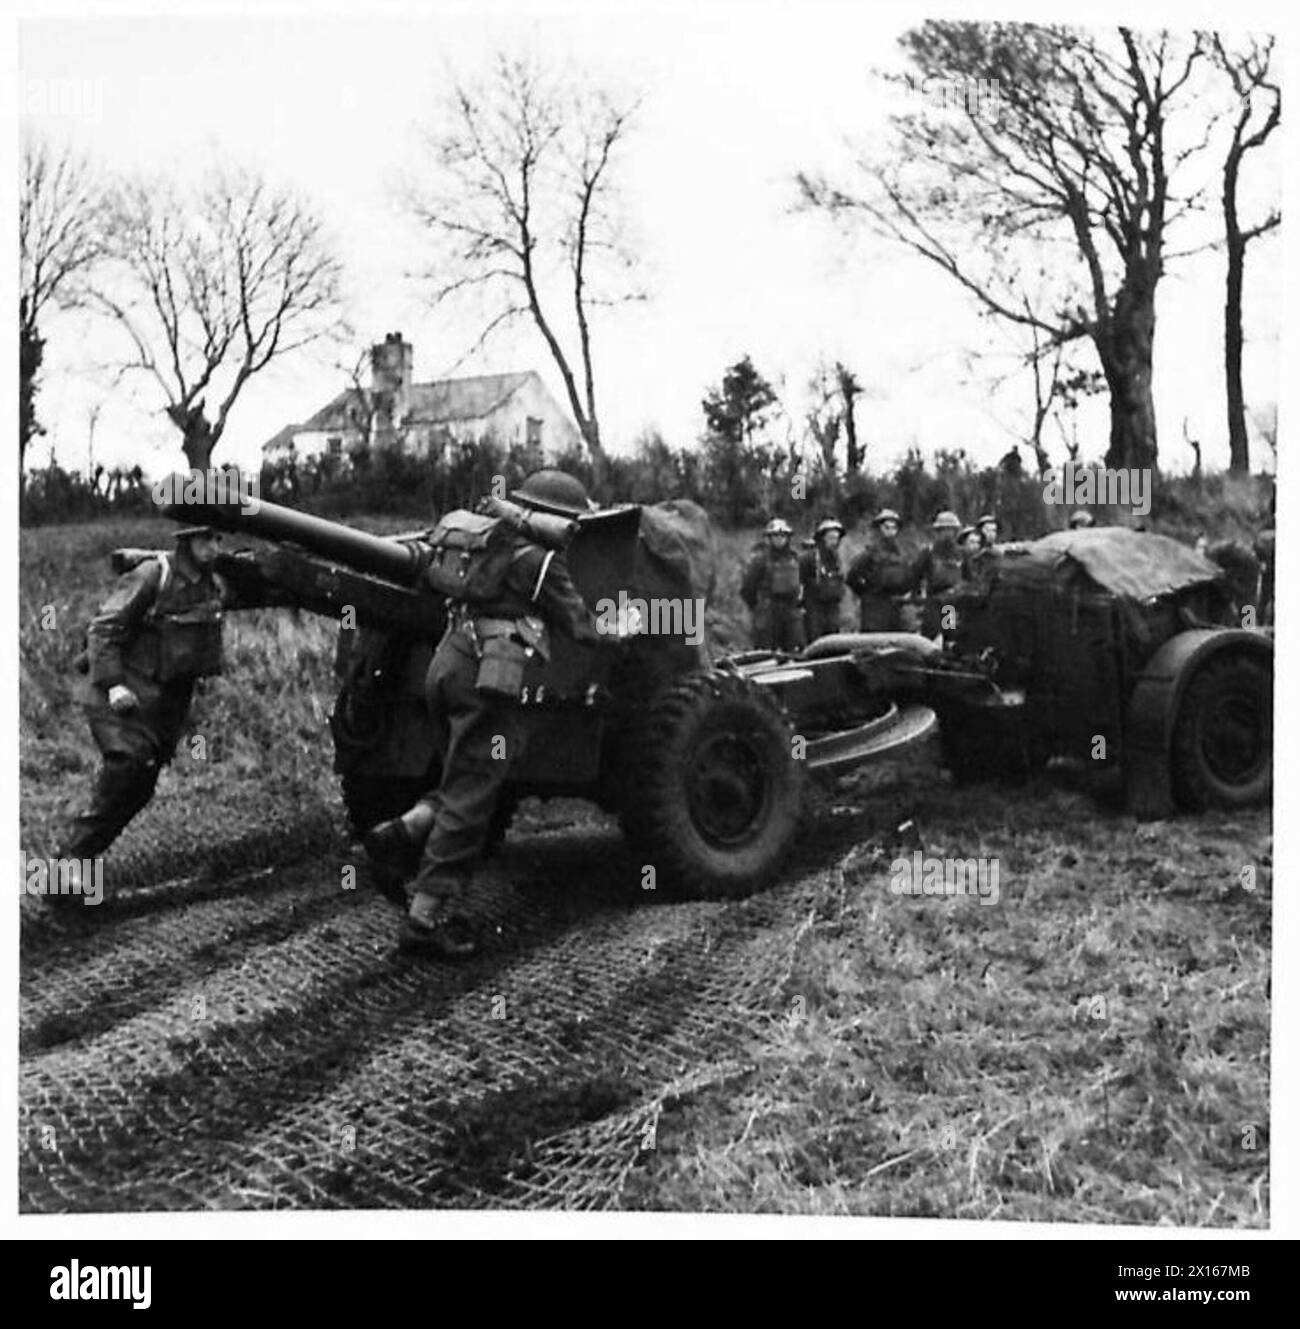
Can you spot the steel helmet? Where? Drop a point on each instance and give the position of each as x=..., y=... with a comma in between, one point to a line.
x=554, y=491
x=1080, y=520
x=830, y=524
x=884, y=515
x=985, y=519
x=966, y=532
x=947, y=521
x=778, y=527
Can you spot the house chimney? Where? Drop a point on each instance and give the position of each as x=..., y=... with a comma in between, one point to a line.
x=391, y=361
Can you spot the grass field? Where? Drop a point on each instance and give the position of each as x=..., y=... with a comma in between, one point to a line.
x=1094, y=1047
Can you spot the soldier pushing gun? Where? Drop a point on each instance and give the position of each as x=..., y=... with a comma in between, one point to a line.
x=508, y=586
x=154, y=637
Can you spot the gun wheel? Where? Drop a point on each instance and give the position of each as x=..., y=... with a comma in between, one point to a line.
x=715, y=795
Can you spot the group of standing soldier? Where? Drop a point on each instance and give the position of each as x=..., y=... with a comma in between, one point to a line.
x=794, y=597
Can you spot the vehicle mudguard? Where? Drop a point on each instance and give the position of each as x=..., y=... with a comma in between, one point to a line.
x=1153, y=709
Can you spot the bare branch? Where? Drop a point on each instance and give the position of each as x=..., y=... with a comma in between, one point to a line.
x=516, y=188
x=1086, y=141
x=218, y=284
x=60, y=231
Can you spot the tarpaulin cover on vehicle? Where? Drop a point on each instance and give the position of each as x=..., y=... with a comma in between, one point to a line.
x=1137, y=565
x=663, y=550
x=677, y=544
x=1155, y=582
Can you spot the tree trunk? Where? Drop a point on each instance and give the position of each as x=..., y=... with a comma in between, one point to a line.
x=31, y=350
x=850, y=390
x=852, y=454
x=599, y=460
x=198, y=449
x=198, y=439
x=1238, y=445
x=1125, y=349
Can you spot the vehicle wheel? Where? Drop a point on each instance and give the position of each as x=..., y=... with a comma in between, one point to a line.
x=1223, y=737
x=715, y=795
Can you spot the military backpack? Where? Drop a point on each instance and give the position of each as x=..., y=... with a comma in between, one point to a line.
x=471, y=554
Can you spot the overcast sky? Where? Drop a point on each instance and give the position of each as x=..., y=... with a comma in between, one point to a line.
x=736, y=99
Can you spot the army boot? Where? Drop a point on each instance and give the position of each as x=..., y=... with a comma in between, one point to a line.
x=433, y=927
x=395, y=846
x=390, y=846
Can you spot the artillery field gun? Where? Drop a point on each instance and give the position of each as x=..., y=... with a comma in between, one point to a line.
x=1098, y=645
x=703, y=760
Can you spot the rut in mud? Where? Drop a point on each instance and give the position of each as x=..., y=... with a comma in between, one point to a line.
x=254, y=1041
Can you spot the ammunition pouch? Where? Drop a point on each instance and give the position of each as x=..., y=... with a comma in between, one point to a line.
x=501, y=669
x=504, y=647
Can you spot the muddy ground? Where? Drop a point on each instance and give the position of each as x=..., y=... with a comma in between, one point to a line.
x=1093, y=1047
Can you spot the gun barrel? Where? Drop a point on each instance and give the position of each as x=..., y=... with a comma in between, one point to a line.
x=393, y=560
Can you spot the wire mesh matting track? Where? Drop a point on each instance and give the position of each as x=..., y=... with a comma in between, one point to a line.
x=256, y=1041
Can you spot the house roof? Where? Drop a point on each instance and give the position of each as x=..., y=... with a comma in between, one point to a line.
x=282, y=439
x=441, y=402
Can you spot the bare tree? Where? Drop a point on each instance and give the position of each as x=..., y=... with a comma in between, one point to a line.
x=1258, y=113
x=824, y=422
x=1056, y=142
x=518, y=190
x=833, y=392
x=1045, y=361
x=212, y=287
x=60, y=239
x=850, y=389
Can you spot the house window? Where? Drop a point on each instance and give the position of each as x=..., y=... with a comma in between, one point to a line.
x=334, y=446
x=533, y=432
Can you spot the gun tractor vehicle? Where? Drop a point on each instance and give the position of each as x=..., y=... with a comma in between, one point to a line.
x=1120, y=647
x=1104, y=644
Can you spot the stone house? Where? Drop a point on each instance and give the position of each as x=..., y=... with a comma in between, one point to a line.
x=423, y=419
